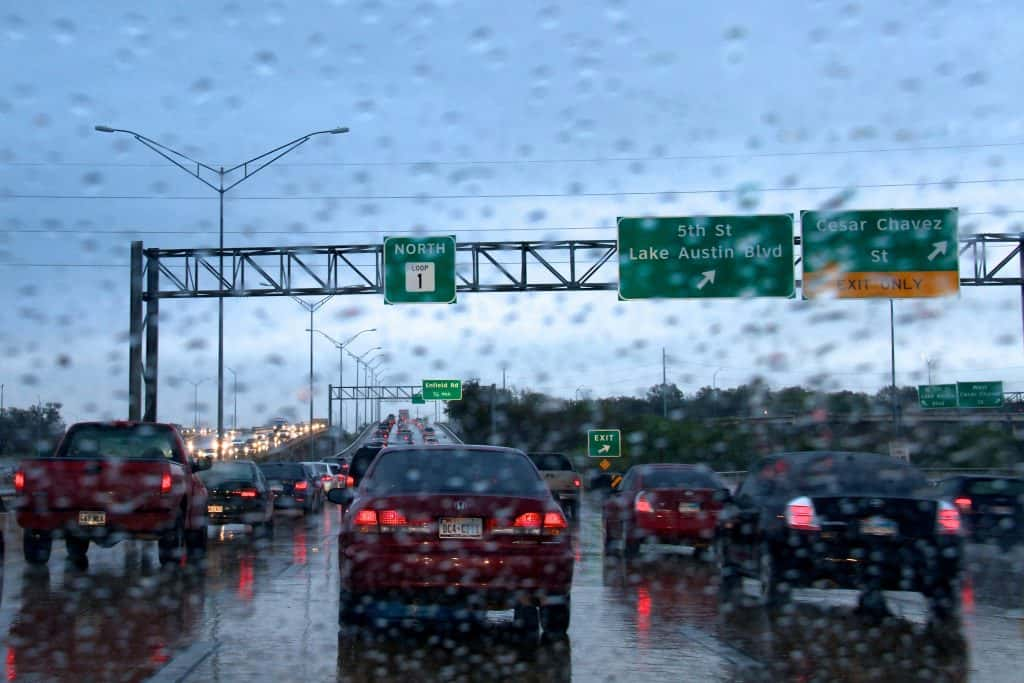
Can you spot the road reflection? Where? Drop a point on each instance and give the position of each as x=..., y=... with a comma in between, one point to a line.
x=477, y=652
x=103, y=625
x=815, y=642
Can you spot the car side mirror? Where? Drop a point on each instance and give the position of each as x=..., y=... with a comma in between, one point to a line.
x=722, y=496
x=200, y=464
x=343, y=497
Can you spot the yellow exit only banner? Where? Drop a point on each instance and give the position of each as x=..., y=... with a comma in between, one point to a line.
x=894, y=285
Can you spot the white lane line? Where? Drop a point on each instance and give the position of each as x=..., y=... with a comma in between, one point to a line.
x=720, y=649
x=179, y=668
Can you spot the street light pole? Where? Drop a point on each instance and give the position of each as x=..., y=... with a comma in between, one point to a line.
x=195, y=169
x=341, y=369
x=195, y=402
x=367, y=377
x=359, y=361
x=234, y=395
x=312, y=308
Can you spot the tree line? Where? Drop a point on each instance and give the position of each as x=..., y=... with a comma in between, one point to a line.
x=30, y=431
x=729, y=428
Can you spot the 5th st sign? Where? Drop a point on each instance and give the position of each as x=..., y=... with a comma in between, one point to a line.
x=706, y=257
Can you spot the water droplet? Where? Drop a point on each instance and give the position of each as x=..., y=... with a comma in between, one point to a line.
x=92, y=179
x=14, y=27
x=536, y=215
x=265, y=62
x=549, y=17
x=480, y=39
x=64, y=31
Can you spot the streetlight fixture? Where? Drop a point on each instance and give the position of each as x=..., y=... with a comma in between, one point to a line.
x=196, y=169
x=341, y=369
x=195, y=402
x=359, y=361
x=312, y=308
x=377, y=383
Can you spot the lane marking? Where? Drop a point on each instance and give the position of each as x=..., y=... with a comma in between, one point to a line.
x=179, y=668
x=723, y=650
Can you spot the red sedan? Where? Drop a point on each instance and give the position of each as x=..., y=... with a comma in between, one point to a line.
x=438, y=531
x=665, y=503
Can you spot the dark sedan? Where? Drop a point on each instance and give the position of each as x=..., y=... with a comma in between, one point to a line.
x=845, y=520
x=295, y=484
x=992, y=507
x=239, y=494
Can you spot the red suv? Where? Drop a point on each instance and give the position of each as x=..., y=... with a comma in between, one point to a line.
x=432, y=529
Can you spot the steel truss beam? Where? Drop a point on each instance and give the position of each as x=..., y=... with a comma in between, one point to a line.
x=384, y=393
x=530, y=266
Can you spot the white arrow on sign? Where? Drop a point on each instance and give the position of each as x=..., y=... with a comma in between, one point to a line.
x=604, y=449
x=940, y=248
x=709, y=276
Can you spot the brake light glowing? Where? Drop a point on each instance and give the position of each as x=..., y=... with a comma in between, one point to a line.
x=963, y=504
x=947, y=519
x=19, y=481
x=165, y=483
x=390, y=518
x=247, y=493
x=350, y=481
x=642, y=504
x=800, y=515
x=527, y=520
x=366, y=518
x=576, y=482
x=301, y=485
x=340, y=477
x=325, y=477
x=554, y=520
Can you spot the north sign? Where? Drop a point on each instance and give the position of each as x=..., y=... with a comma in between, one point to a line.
x=419, y=270
x=706, y=257
x=888, y=254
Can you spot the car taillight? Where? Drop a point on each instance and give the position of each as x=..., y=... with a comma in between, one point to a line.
x=19, y=481
x=963, y=504
x=325, y=477
x=528, y=520
x=350, y=481
x=526, y=524
x=947, y=519
x=642, y=504
x=392, y=518
x=554, y=523
x=366, y=520
x=340, y=477
x=301, y=485
x=576, y=482
x=246, y=493
x=165, y=483
x=800, y=515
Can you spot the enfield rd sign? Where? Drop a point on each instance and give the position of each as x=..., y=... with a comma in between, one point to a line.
x=442, y=390
x=889, y=254
x=706, y=257
x=419, y=270
x=604, y=443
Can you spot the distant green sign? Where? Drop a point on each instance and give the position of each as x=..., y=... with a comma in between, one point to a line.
x=937, y=395
x=418, y=400
x=604, y=443
x=889, y=254
x=980, y=394
x=706, y=257
x=442, y=389
x=419, y=270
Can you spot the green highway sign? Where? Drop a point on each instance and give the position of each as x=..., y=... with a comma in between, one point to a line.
x=418, y=400
x=706, y=257
x=419, y=270
x=604, y=443
x=980, y=394
x=888, y=254
x=937, y=395
x=442, y=389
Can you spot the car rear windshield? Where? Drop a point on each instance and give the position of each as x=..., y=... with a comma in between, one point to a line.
x=551, y=461
x=362, y=460
x=146, y=442
x=995, y=487
x=283, y=470
x=228, y=472
x=857, y=474
x=454, y=471
x=671, y=478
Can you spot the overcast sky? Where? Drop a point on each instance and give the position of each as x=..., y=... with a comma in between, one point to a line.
x=708, y=108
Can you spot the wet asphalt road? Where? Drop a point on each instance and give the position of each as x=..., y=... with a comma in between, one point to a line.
x=267, y=610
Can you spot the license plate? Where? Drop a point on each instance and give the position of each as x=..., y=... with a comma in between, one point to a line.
x=689, y=507
x=1001, y=510
x=878, y=526
x=566, y=496
x=215, y=509
x=92, y=518
x=461, y=527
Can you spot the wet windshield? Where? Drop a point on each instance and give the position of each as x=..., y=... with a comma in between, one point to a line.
x=743, y=238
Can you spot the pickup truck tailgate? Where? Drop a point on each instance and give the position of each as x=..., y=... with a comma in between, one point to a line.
x=118, y=486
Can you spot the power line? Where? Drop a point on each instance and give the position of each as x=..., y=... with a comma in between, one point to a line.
x=525, y=195
x=556, y=160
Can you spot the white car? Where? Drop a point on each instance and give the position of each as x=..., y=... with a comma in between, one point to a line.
x=322, y=471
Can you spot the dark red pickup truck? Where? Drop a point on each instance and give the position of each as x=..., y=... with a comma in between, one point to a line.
x=109, y=481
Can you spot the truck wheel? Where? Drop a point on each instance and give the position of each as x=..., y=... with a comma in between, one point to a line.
x=774, y=591
x=78, y=549
x=526, y=619
x=195, y=544
x=555, y=618
x=172, y=544
x=37, y=546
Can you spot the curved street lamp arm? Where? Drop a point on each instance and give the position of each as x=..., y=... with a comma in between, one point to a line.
x=172, y=155
x=275, y=154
